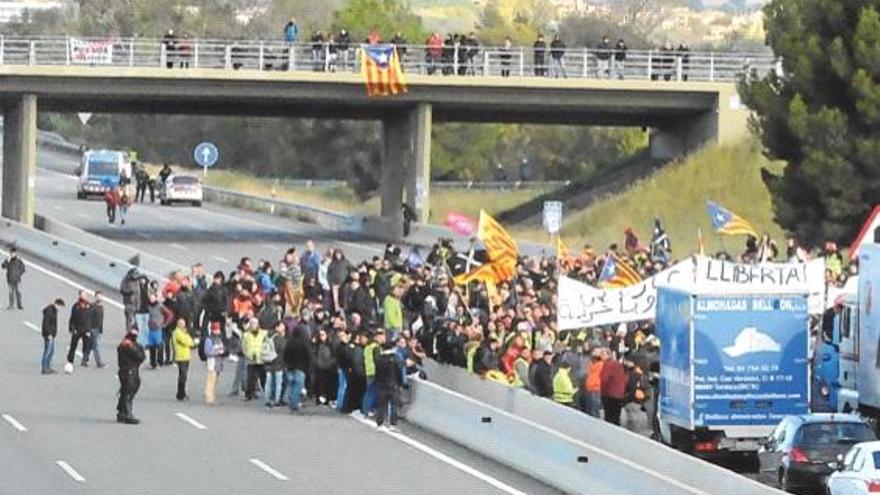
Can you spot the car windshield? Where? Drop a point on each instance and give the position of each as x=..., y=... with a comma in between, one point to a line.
x=185, y=180
x=835, y=434
x=876, y=456
x=101, y=166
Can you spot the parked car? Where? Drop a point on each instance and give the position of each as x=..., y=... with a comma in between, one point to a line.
x=858, y=472
x=181, y=188
x=802, y=451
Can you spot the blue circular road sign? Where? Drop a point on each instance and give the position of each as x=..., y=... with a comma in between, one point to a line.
x=206, y=154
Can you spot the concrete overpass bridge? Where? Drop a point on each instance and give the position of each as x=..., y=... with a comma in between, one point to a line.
x=52, y=76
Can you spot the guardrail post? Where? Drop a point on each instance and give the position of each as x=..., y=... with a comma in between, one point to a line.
x=227, y=57
x=650, y=63
x=712, y=66
x=327, y=57
x=291, y=57
x=485, y=62
x=260, y=58
x=32, y=53
x=455, y=60
x=67, y=51
x=131, y=52
x=163, y=55
x=196, y=55
x=678, y=67
x=586, y=62
x=2, y=48
x=522, y=62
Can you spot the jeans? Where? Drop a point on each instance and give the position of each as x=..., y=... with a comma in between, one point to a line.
x=142, y=321
x=255, y=373
x=388, y=402
x=14, y=294
x=369, y=397
x=340, y=391
x=604, y=68
x=275, y=380
x=239, y=378
x=48, y=352
x=297, y=381
x=594, y=404
x=94, y=345
x=182, y=372
x=556, y=67
x=618, y=68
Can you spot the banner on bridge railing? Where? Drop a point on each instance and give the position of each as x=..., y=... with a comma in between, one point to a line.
x=91, y=52
x=582, y=305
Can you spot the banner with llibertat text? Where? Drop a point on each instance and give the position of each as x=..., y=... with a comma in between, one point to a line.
x=91, y=52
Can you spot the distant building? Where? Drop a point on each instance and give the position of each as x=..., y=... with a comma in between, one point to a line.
x=11, y=11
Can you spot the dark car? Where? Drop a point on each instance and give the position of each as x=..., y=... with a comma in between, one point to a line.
x=802, y=451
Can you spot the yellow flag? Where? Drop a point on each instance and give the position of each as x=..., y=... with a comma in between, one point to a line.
x=562, y=252
x=502, y=252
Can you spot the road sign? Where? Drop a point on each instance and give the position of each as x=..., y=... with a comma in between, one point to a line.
x=84, y=117
x=553, y=216
x=206, y=154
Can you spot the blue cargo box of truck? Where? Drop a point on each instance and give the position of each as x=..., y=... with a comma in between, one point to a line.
x=735, y=363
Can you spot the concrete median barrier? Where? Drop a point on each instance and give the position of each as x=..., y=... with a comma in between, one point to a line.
x=558, y=445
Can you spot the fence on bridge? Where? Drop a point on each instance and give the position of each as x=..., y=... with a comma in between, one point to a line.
x=462, y=60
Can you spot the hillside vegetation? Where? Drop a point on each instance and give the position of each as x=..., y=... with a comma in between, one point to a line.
x=677, y=194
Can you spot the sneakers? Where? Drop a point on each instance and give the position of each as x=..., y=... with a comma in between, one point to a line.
x=49, y=371
x=102, y=366
x=393, y=428
x=127, y=420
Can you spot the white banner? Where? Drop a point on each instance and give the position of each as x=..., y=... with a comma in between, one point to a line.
x=582, y=305
x=725, y=277
x=91, y=52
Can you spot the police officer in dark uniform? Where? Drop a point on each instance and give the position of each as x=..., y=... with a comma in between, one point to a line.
x=130, y=355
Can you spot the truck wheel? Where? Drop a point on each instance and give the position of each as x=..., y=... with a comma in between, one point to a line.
x=80, y=195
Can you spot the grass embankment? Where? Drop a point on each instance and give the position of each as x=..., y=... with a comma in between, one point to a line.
x=677, y=194
x=343, y=199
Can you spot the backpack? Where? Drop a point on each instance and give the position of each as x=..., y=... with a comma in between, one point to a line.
x=267, y=351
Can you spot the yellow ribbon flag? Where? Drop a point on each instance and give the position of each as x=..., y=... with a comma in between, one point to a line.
x=562, y=252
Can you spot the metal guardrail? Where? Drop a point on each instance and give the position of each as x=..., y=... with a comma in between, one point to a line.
x=479, y=185
x=460, y=60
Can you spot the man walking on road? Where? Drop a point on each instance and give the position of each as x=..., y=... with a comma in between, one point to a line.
x=96, y=316
x=50, y=331
x=79, y=327
x=130, y=355
x=14, y=270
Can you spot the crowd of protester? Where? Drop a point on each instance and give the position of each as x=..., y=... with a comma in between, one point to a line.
x=453, y=54
x=317, y=327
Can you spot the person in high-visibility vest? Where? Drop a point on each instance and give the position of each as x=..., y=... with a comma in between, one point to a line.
x=563, y=388
x=521, y=370
x=371, y=352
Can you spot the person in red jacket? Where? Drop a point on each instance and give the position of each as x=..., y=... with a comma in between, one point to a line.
x=613, y=387
x=111, y=199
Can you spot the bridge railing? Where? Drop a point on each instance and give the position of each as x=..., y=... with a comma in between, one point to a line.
x=276, y=55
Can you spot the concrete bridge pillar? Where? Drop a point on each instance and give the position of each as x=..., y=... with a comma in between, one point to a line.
x=19, y=158
x=406, y=170
x=727, y=123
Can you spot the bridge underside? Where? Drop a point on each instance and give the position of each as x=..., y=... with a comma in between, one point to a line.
x=682, y=116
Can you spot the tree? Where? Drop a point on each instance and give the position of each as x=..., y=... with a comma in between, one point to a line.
x=821, y=115
x=360, y=17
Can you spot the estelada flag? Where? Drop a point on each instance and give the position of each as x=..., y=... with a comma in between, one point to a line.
x=617, y=273
x=726, y=222
x=380, y=66
x=562, y=252
x=501, y=250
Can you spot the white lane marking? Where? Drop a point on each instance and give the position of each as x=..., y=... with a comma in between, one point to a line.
x=191, y=421
x=83, y=215
x=178, y=246
x=269, y=469
x=143, y=235
x=14, y=422
x=221, y=259
x=70, y=471
x=33, y=327
x=549, y=431
x=270, y=247
x=504, y=487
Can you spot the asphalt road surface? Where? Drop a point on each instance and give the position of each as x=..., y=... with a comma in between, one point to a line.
x=58, y=433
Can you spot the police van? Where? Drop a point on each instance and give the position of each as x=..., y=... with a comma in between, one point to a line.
x=100, y=171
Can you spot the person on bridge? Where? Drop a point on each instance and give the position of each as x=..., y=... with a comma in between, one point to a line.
x=79, y=325
x=603, y=56
x=557, y=55
x=15, y=269
x=50, y=332
x=540, y=56
x=129, y=356
x=291, y=31
x=619, y=58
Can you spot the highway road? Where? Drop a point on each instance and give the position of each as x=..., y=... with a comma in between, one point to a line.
x=58, y=433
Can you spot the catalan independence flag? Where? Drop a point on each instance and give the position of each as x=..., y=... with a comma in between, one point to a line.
x=501, y=250
x=726, y=222
x=562, y=252
x=380, y=66
x=617, y=273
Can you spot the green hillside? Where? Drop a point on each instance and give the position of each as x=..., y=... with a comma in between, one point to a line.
x=729, y=175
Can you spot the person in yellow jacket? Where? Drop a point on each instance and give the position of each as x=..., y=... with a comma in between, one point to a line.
x=521, y=370
x=183, y=344
x=563, y=388
x=252, y=347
